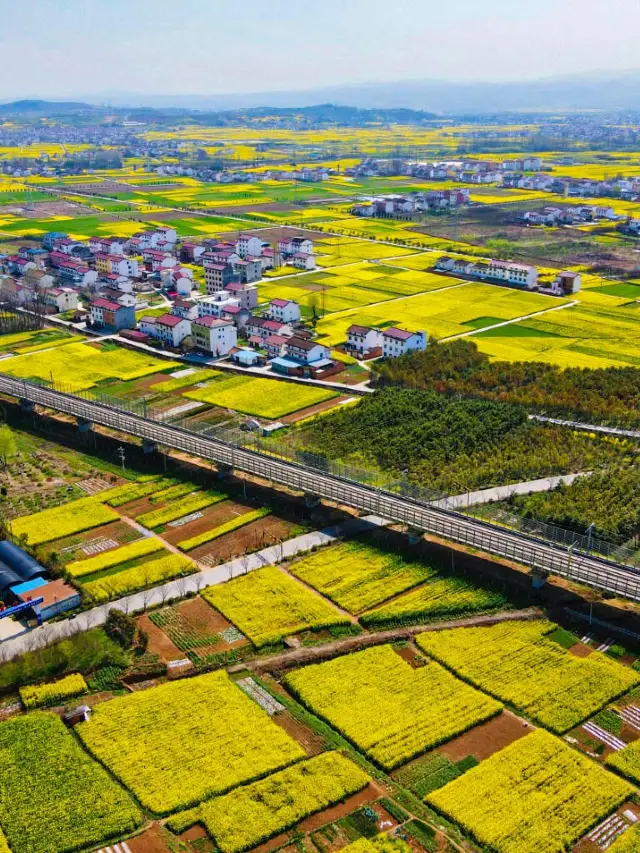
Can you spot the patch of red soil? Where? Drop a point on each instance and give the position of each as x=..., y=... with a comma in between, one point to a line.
x=159, y=643
x=313, y=743
x=580, y=650
x=154, y=840
x=487, y=738
x=252, y=537
x=211, y=517
x=368, y=795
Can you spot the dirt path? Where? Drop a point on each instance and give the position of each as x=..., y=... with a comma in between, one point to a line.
x=353, y=619
x=298, y=657
x=146, y=532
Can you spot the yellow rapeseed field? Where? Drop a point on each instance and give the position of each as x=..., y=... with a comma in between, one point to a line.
x=390, y=710
x=183, y=742
x=515, y=662
x=535, y=796
x=267, y=605
x=249, y=815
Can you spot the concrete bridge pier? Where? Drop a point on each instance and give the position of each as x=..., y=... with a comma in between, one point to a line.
x=27, y=406
x=224, y=471
x=415, y=535
x=311, y=501
x=149, y=446
x=538, y=578
x=84, y=426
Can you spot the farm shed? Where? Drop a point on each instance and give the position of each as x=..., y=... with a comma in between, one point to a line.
x=25, y=567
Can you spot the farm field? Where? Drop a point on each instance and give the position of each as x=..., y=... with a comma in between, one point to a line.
x=180, y=743
x=265, y=398
x=443, y=314
x=78, y=366
x=436, y=599
x=587, y=335
x=377, y=700
x=24, y=342
x=53, y=796
x=531, y=797
x=518, y=663
x=358, y=576
x=267, y=605
x=129, y=578
x=246, y=816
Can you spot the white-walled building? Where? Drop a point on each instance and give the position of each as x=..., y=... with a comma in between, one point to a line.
x=284, y=310
x=248, y=244
x=214, y=335
x=168, y=328
x=363, y=339
x=399, y=341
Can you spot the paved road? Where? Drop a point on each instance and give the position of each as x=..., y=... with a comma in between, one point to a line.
x=501, y=493
x=607, y=430
x=139, y=601
x=541, y=556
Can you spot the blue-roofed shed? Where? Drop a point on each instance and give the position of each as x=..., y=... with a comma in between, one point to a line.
x=28, y=586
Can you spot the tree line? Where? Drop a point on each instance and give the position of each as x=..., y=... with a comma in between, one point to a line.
x=608, y=395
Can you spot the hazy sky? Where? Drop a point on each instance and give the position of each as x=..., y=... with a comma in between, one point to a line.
x=168, y=47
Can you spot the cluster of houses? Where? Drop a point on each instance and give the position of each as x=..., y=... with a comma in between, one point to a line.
x=398, y=206
x=469, y=171
x=508, y=273
x=576, y=215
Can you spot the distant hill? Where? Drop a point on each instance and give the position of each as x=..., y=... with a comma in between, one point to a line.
x=609, y=91
x=44, y=108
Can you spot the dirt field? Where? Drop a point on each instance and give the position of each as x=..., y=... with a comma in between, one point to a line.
x=159, y=643
x=154, y=840
x=312, y=742
x=42, y=209
x=262, y=533
x=482, y=741
x=412, y=656
x=580, y=650
x=369, y=795
x=212, y=517
x=199, y=619
x=313, y=410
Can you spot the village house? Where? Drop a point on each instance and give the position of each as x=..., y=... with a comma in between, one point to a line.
x=284, y=310
x=61, y=299
x=364, y=340
x=399, y=341
x=218, y=276
x=112, y=316
x=168, y=328
x=247, y=294
x=185, y=308
x=214, y=335
x=248, y=245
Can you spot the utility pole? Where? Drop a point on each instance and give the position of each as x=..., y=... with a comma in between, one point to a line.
x=121, y=456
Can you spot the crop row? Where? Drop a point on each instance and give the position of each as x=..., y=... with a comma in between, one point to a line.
x=108, y=559
x=177, y=509
x=142, y=576
x=249, y=815
x=390, y=710
x=267, y=605
x=65, y=520
x=517, y=663
x=56, y=693
x=223, y=529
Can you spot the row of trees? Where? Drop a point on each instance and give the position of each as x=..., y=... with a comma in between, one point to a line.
x=607, y=395
x=453, y=444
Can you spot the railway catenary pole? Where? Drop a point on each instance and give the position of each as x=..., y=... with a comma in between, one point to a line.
x=541, y=557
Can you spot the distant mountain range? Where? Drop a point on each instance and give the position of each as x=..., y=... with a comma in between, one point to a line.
x=595, y=91
x=607, y=91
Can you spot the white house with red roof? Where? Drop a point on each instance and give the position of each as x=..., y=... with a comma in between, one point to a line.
x=303, y=261
x=61, y=299
x=248, y=244
x=214, y=335
x=284, y=310
x=168, y=328
x=363, y=339
x=399, y=341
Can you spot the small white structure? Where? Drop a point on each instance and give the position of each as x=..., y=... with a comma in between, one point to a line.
x=284, y=310
x=399, y=341
x=214, y=335
x=362, y=339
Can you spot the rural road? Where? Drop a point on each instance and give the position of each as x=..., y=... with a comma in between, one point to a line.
x=50, y=633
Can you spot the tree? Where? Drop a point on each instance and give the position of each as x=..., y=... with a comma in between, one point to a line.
x=8, y=446
x=120, y=628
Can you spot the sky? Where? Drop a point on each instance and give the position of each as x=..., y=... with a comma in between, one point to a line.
x=178, y=47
